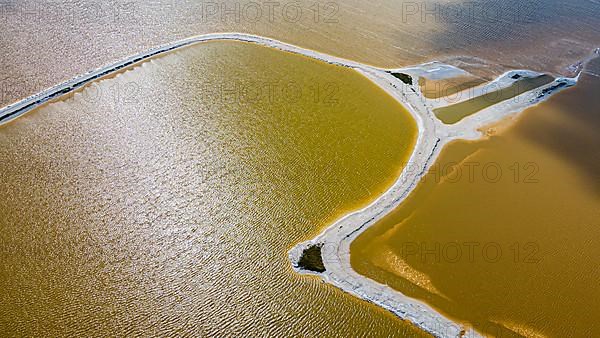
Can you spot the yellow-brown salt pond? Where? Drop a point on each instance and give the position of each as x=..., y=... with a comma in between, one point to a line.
x=163, y=201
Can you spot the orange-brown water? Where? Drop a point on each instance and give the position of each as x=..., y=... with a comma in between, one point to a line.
x=504, y=233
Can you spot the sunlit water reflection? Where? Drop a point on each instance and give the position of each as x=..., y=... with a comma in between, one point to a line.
x=164, y=200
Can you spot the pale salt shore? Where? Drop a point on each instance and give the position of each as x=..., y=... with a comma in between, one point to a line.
x=336, y=239
x=434, y=71
x=432, y=136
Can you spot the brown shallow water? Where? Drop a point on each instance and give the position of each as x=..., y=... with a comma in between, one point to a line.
x=492, y=95
x=44, y=43
x=510, y=251
x=164, y=200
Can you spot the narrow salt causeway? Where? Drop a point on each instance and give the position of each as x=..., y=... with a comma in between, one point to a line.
x=328, y=255
x=403, y=84
x=520, y=232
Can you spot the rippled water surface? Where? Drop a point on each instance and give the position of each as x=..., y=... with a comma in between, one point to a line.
x=504, y=233
x=46, y=42
x=164, y=200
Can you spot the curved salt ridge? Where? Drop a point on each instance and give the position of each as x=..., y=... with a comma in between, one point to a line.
x=19, y=108
x=432, y=136
x=336, y=239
